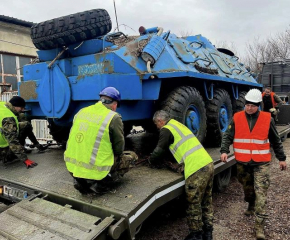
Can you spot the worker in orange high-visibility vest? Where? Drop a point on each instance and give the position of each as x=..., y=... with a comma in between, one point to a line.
x=271, y=102
x=251, y=132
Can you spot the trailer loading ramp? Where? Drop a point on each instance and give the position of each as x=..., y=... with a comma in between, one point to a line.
x=134, y=198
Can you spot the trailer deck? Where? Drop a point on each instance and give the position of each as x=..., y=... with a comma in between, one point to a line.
x=133, y=199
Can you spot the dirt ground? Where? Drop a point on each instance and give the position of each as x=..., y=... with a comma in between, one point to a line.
x=230, y=223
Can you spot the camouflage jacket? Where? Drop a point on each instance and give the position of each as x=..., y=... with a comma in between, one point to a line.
x=9, y=130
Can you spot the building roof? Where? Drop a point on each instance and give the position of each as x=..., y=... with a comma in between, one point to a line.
x=15, y=21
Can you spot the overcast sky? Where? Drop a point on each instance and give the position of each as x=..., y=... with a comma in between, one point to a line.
x=234, y=21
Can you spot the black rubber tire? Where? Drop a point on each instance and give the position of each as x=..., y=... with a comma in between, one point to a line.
x=214, y=131
x=239, y=104
x=222, y=180
x=59, y=134
x=178, y=102
x=70, y=29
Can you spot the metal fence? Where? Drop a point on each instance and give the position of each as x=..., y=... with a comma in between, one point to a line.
x=6, y=96
x=40, y=129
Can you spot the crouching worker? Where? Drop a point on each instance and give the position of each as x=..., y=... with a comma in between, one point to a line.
x=198, y=172
x=13, y=132
x=94, y=154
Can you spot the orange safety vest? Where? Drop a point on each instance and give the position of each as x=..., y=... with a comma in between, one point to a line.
x=274, y=104
x=252, y=145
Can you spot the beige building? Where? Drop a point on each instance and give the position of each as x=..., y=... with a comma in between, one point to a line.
x=16, y=50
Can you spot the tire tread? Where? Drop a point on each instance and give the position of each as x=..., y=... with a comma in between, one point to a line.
x=71, y=29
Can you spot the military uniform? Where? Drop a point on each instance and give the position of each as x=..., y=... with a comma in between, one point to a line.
x=254, y=175
x=16, y=138
x=198, y=171
x=272, y=101
x=12, y=132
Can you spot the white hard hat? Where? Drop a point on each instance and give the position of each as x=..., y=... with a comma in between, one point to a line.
x=254, y=95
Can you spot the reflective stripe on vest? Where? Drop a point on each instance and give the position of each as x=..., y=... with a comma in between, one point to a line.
x=252, y=145
x=186, y=148
x=87, y=166
x=89, y=152
x=251, y=141
x=245, y=151
x=100, y=136
x=6, y=113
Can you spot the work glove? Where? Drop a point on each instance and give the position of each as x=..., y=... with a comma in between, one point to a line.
x=30, y=164
x=273, y=111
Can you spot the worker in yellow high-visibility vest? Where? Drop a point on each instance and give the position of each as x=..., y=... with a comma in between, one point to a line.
x=94, y=154
x=14, y=129
x=198, y=172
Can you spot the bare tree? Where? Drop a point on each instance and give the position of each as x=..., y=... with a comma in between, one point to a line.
x=274, y=48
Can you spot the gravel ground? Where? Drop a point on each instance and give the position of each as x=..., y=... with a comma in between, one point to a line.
x=230, y=223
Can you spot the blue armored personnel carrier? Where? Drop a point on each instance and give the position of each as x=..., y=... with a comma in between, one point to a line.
x=199, y=85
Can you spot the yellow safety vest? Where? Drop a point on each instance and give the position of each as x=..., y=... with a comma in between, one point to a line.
x=5, y=113
x=89, y=153
x=187, y=149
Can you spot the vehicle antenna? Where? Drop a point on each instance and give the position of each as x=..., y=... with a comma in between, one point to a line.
x=116, y=15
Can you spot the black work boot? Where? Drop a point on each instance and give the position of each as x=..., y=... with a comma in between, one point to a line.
x=194, y=236
x=207, y=233
x=99, y=188
x=251, y=209
x=81, y=186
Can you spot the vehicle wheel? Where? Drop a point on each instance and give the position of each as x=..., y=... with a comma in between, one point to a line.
x=71, y=29
x=59, y=134
x=219, y=114
x=186, y=105
x=222, y=180
x=239, y=104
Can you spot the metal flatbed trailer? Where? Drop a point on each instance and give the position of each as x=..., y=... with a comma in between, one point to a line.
x=53, y=208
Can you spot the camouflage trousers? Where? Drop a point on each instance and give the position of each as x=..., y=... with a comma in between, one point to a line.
x=198, y=188
x=255, y=181
x=6, y=155
x=123, y=164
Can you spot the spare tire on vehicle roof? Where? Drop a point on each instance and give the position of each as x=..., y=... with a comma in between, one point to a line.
x=71, y=29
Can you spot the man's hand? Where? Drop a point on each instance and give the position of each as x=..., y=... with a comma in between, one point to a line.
x=273, y=111
x=30, y=164
x=283, y=165
x=224, y=157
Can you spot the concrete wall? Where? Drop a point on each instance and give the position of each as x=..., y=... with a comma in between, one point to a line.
x=11, y=33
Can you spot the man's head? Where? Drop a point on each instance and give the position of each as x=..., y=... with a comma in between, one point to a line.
x=18, y=103
x=110, y=97
x=253, y=100
x=160, y=118
x=268, y=91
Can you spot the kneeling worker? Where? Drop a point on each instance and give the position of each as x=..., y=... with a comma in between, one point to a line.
x=13, y=132
x=198, y=171
x=94, y=154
